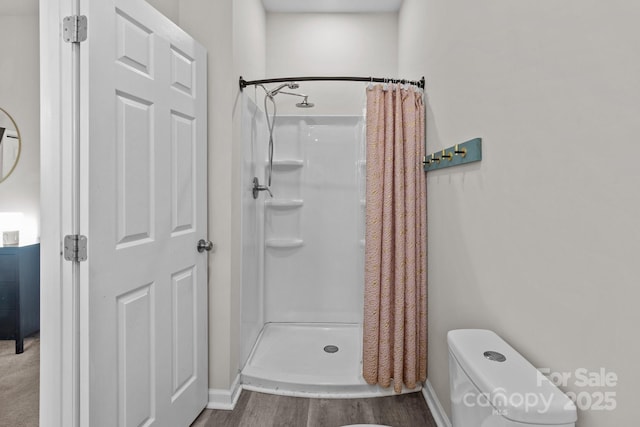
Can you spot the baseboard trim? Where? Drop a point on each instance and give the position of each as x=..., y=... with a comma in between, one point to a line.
x=223, y=398
x=439, y=415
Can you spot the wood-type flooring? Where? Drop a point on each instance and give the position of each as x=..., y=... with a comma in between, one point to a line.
x=267, y=410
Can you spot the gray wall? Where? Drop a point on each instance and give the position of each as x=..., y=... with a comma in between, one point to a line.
x=20, y=96
x=540, y=241
x=330, y=44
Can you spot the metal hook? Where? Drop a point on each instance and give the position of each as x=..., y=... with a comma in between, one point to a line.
x=462, y=152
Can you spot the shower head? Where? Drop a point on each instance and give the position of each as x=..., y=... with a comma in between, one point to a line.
x=290, y=85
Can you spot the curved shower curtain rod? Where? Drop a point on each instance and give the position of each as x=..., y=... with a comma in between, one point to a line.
x=244, y=83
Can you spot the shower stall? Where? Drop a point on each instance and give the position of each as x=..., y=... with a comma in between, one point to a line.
x=303, y=254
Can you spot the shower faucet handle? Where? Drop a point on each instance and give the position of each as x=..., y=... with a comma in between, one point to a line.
x=257, y=188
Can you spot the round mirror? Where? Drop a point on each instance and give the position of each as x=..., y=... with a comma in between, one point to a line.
x=10, y=144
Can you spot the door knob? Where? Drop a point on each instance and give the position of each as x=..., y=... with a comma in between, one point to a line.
x=205, y=245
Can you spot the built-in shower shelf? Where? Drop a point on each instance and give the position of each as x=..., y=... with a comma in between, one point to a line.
x=283, y=203
x=284, y=243
x=362, y=163
x=288, y=163
x=363, y=202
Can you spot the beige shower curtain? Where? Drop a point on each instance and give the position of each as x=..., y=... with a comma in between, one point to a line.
x=395, y=307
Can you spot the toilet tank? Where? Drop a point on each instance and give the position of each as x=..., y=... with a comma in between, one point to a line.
x=492, y=385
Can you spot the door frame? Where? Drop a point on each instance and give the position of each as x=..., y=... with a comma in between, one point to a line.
x=59, y=367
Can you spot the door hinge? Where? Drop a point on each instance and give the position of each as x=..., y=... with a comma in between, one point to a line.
x=75, y=248
x=74, y=28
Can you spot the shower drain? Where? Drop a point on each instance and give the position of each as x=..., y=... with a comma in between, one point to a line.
x=331, y=348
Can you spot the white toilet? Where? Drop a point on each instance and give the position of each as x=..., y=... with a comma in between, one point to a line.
x=492, y=385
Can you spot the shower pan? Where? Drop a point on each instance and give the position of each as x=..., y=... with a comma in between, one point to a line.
x=308, y=359
x=303, y=256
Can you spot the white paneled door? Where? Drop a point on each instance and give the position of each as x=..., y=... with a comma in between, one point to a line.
x=143, y=336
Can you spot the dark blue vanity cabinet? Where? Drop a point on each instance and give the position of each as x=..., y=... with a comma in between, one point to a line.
x=19, y=293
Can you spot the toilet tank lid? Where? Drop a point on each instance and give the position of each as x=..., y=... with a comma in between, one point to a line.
x=514, y=387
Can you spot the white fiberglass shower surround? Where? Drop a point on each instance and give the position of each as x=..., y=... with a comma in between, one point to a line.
x=303, y=255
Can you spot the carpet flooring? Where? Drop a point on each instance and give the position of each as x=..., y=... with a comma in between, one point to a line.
x=19, y=383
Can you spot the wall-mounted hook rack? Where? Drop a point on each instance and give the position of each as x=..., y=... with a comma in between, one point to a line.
x=459, y=154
